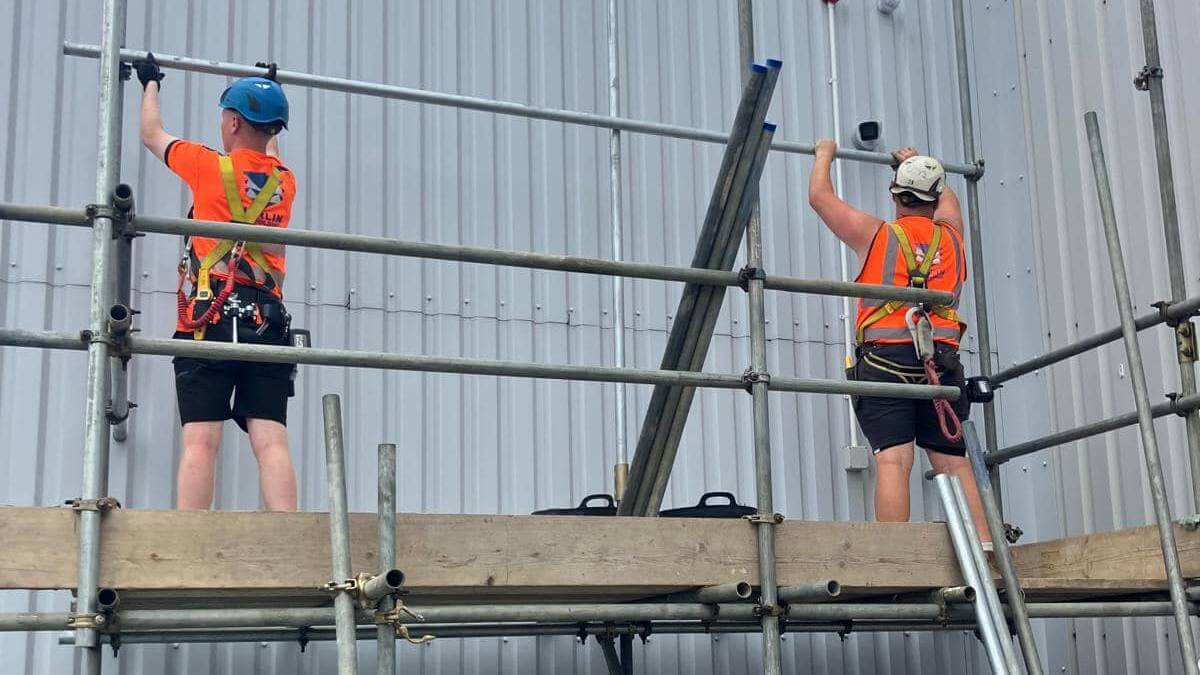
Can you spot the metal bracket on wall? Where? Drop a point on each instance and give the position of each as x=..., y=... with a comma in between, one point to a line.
x=1141, y=81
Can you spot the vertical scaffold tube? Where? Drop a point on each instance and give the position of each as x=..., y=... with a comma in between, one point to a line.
x=96, y=430
x=339, y=535
x=1141, y=396
x=386, y=635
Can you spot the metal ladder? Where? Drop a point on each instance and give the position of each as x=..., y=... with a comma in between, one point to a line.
x=989, y=614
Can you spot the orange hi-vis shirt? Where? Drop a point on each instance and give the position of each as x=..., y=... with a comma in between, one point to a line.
x=198, y=166
x=885, y=264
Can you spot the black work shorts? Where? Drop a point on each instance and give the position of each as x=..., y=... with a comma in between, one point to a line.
x=214, y=391
x=889, y=422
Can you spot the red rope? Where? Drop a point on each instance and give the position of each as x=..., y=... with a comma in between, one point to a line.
x=182, y=303
x=947, y=418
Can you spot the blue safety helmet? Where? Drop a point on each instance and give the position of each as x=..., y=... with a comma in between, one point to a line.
x=259, y=100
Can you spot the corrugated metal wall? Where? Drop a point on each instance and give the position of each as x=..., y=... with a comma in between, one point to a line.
x=488, y=445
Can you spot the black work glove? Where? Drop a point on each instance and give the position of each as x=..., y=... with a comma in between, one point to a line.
x=148, y=71
x=271, y=67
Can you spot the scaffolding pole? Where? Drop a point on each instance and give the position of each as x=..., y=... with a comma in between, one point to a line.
x=96, y=428
x=385, y=634
x=621, y=467
x=978, y=268
x=1167, y=313
x=1137, y=376
x=387, y=91
x=383, y=361
x=339, y=536
x=1151, y=79
x=524, y=259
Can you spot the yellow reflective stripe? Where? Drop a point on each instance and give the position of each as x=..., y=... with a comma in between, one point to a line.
x=232, y=195
x=878, y=315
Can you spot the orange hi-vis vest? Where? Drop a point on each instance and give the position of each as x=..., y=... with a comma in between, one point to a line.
x=912, y=251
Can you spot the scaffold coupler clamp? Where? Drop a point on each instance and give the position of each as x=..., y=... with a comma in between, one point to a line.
x=645, y=629
x=1190, y=523
x=1141, y=81
x=977, y=174
x=748, y=274
x=1173, y=400
x=846, y=629
x=94, y=621
x=1185, y=332
x=776, y=610
x=101, y=505
x=396, y=617
x=765, y=518
x=752, y=377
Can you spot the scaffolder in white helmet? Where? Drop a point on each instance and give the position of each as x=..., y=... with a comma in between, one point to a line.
x=921, y=246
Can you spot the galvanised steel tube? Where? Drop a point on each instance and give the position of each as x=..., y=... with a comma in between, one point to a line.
x=123, y=285
x=339, y=534
x=739, y=213
x=978, y=269
x=820, y=591
x=621, y=470
x=1094, y=429
x=1141, y=396
x=472, y=103
x=96, y=432
x=711, y=595
x=526, y=259
x=623, y=631
x=799, y=617
x=1178, y=311
x=765, y=521
x=1170, y=215
x=995, y=523
x=988, y=591
x=666, y=403
x=361, y=359
x=611, y=659
x=988, y=631
x=385, y=648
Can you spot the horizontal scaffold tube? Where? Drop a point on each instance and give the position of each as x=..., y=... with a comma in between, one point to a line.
x=1180, y=405
x=359, y=243
x=1179, y=311
x=193, y=619
x=482, y=104
x=437, y=364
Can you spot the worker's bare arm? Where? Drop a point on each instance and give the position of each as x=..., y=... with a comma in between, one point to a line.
x=949, y=211
x=855, y=228
x=154, y=137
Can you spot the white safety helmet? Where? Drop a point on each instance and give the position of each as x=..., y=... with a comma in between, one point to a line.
x=921, y=176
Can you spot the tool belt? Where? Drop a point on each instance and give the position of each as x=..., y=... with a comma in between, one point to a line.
x=247, y=315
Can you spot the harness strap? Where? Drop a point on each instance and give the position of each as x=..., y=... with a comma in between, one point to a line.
x=234, y=197
x=918, y=275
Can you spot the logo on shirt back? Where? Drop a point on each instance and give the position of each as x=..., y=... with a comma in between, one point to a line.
x=254, y=186
x=935, y=271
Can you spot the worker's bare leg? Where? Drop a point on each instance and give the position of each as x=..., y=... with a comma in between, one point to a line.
x=197, y=465
x=961, y=467
x=892, y=468
x=276, y=476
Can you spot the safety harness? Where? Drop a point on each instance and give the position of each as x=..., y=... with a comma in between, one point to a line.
x=919, y=323
x=235, y=250
x=918, y=276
